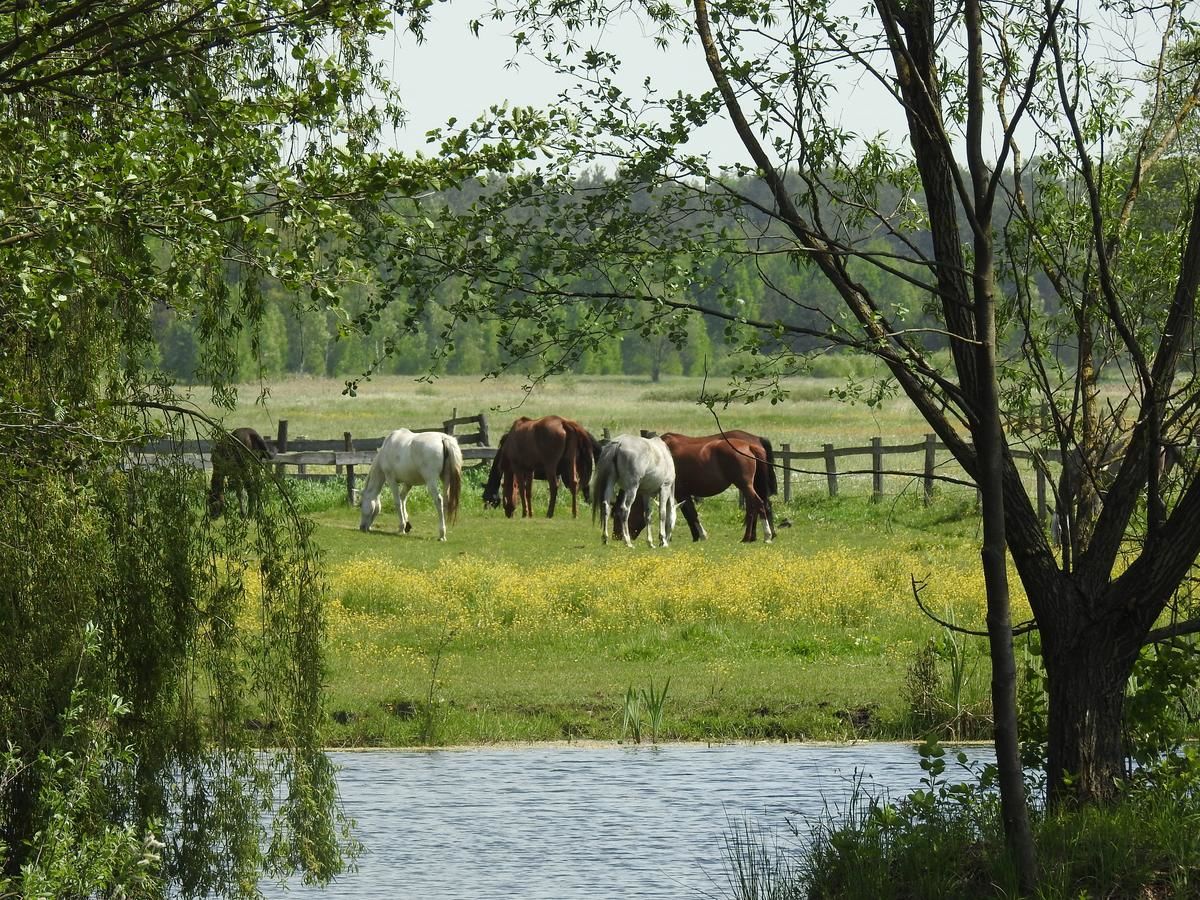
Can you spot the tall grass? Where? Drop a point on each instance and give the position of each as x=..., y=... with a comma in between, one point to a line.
x=946, y=840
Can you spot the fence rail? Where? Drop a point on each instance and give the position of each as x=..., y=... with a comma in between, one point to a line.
x=345, y=456
x=930, y=448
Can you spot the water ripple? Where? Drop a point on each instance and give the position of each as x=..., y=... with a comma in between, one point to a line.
x=581, y=823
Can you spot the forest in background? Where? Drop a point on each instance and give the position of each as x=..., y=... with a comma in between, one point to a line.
x=393, y=335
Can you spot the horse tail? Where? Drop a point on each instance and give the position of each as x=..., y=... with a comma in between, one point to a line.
x=590, y=452
x=452, y=463
x=586, y=451
x=585, y=463
x=764, y=481
x=603, y=473
x=772, y=482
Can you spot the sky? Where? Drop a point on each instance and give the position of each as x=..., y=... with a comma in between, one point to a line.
x=454, y=73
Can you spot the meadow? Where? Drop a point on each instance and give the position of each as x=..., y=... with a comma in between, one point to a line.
x=532, y=630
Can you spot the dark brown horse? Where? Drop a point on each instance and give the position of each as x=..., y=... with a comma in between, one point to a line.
x=707, y=466
x=537, y=448
x=235, y=457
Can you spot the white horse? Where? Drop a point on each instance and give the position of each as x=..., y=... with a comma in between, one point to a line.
x=406, y=459
x=637, y=468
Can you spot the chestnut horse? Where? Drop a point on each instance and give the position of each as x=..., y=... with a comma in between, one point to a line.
x=549, y=448
x=234, y=457
x=707, y=466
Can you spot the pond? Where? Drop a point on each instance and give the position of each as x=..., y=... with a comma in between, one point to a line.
x=565, y=822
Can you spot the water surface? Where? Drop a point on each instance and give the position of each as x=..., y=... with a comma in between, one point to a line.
x=582, y=822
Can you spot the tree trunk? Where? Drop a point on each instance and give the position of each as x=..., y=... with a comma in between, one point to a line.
x=1086, y=694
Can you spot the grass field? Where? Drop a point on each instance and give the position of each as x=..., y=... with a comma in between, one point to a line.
x=317, y=408
x=531, y=630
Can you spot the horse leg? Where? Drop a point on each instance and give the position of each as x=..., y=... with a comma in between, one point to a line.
x=692, y=516
x=552, y=480
x=572, y=482
x=439, y=504
x=525, y=489
x=756, y=507
x=768, y=518
x=400, y=496
x=666, y=513
x=573, y=486
x=750, y=533
x=623, y=509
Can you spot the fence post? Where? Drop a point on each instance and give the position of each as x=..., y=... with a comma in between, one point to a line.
x=348, y=445
x=876, y=469
x=930, y=461
x=281, y=443
x=483, y=431
x=786, y=459
x=831, y=470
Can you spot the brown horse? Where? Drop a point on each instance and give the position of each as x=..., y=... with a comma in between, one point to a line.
x=537, y=448
x=235, y=455
x=706, y=466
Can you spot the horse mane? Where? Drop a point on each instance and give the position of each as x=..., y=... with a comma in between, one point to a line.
x=492, y=486
x=375, y=479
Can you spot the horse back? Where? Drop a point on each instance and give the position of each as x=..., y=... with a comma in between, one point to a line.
x=706, y=466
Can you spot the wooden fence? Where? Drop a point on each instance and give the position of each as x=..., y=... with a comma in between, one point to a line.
x=930, y=449
x=344, y=455
x=348, y=454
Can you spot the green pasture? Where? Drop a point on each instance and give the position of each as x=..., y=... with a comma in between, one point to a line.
x=532, y=630
x=808, y=417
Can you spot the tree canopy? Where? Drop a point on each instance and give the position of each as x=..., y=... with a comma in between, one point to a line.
x=164, y=158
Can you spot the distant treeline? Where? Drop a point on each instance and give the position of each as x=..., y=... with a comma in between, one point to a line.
x=294, y=338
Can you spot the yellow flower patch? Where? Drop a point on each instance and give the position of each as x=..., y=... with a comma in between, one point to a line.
x=373, y=598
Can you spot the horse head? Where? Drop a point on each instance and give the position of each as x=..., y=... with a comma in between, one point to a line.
x=370, y=509
x=491, y=490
